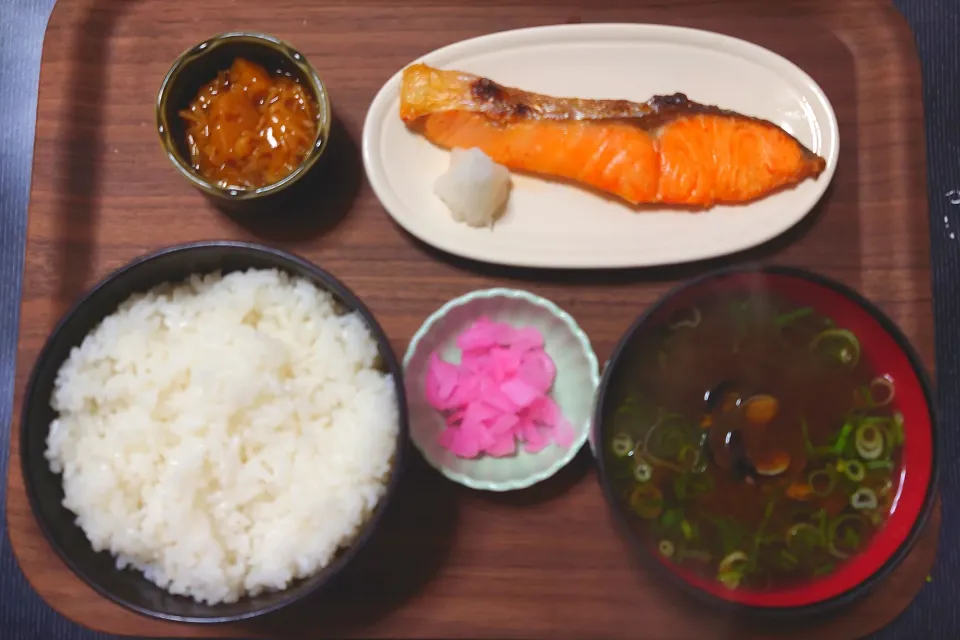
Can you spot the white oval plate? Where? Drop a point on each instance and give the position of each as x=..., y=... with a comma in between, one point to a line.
x=549, y=224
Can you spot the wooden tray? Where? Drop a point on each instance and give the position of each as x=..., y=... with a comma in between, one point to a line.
x=454, y=563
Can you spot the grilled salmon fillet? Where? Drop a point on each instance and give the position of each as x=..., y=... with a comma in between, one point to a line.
x=668, y=150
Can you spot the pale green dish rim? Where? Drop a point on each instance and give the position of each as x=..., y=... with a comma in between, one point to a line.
x=583, y=431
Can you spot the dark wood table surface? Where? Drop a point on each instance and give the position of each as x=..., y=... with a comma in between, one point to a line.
x=936, y=24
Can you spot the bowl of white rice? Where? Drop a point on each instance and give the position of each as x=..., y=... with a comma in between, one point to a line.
x=213, y=432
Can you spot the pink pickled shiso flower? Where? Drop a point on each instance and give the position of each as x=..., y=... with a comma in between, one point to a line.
x=496, y=398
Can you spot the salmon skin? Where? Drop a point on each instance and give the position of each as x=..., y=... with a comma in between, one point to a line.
x=669, y=150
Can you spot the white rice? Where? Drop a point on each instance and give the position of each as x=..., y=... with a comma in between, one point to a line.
x=225, y=436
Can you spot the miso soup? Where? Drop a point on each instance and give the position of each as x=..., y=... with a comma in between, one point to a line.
x=755, y=446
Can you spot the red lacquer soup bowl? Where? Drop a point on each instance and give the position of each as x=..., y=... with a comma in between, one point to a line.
x=908, y=469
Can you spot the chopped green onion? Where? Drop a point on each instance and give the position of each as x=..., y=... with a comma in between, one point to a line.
x=666, y=438
x=789, y=557
x=880, y=464
x=817, y=485
x=687, y=530
x=849, y=354
x=642, y=472
x=804, y=536
x=897, y=429
x=835, y=449
x=825, y=451
x=688, y=456
x=758, y=538
x=692, y=322
x=824, y=570
x=885, y=383
x=670, y=517
x=622, y=445
x=730, y=579
x=666, y=548
x=733, y=561
x=731, y=569
x=864, y=498
x=628, y=407
x=832, y=535
x=853, y=469
x=869, y=441
x=851, y=538
x=892, y=429
x=791, y=316
x=842, y=438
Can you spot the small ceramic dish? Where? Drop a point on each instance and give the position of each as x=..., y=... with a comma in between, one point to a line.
x=198, y=66
x=573, y=389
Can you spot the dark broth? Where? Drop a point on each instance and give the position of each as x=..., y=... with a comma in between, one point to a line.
x=756, y=446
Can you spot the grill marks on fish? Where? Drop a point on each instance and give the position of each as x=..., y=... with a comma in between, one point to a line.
x=487, y=90
x=668, y=150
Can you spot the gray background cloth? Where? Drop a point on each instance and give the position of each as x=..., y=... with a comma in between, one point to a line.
x=934, y=614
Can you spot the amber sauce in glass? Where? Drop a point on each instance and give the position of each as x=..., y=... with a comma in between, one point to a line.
x=249, y=128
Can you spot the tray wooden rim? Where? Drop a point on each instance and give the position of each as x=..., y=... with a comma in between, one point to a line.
x=15, y=492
